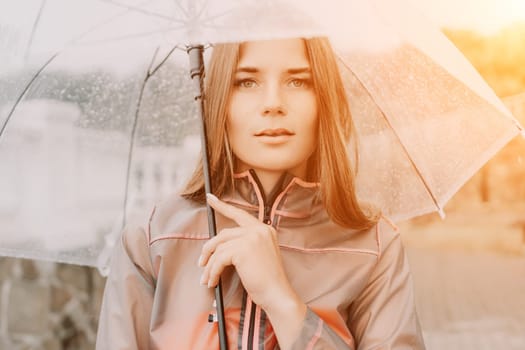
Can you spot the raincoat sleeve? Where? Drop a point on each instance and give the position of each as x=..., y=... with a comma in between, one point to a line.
x=128, y=295
x=317, y=335
x=384, y=316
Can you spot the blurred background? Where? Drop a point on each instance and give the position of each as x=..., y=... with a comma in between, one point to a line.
x=468, y=269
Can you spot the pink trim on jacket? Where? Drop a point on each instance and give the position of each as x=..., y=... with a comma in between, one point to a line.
x=256, y=327
x=179, y=236
x=234, y=201
x=316, y=336
x=295, y=215
x=331, y=250
x=305, y=183
x=294, y=181
x=246, y=329
x=258, y=194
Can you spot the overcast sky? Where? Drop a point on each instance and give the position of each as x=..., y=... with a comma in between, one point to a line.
x=486, y=16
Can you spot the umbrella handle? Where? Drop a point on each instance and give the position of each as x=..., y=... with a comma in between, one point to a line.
x=195, y=53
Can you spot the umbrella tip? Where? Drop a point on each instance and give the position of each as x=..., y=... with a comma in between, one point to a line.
x=441, y=213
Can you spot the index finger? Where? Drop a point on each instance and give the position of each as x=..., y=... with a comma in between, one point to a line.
x=241, y=217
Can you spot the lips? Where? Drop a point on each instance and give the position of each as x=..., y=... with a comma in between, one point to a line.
x=275, y=132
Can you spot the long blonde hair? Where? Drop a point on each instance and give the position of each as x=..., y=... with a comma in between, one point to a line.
x=330, y=163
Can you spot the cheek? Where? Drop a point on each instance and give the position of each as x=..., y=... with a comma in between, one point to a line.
x=238, y=109
x=236, y=125
x=311, y=124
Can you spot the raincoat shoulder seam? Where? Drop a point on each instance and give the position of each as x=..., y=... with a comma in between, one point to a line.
x=329, y=250
x=177, y=236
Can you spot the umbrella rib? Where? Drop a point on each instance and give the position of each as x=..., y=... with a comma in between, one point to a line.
x=211, y=18
x=35, y=25
x=405, y=150
x=130, y=36
x=96, y=26
x=133, y=134
x=184, y=12
x=140, y=10
x=30, y=83
x=150, y=73
x=203, y=7
x=26, y=89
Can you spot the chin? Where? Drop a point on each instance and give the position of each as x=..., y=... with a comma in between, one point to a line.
x=275, y=166
x=282, y=160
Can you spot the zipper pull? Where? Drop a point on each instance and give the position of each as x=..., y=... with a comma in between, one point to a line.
x=212, y=317
x=267, y=219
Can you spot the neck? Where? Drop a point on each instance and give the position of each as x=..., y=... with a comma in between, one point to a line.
x=268, y=180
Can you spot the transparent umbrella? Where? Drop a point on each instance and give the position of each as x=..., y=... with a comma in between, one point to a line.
x=98, y=119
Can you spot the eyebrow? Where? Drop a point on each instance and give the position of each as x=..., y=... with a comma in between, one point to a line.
x=289, y=71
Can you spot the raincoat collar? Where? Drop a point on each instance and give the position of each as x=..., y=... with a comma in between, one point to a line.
x=291, y=196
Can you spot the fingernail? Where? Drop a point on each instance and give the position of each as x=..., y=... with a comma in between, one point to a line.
x=199, y=262
x=211, y=197
x=209, y=284
x=202, y=280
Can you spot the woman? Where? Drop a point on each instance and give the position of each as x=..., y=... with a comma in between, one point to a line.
x=303, y=266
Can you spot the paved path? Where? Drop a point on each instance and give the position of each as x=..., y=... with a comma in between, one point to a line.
x=468, y=298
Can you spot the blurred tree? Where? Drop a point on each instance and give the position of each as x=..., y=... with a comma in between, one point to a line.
x=500, y=60
x=110, y=102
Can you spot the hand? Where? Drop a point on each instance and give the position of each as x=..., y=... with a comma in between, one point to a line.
x=252, y=248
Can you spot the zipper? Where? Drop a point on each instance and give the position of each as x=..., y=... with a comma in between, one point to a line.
x=251, y=326
x=268, y=221
x=267, y=206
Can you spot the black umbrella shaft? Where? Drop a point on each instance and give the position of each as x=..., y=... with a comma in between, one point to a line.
x=197, y=75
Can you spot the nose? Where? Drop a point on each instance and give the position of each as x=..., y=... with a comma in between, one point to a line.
x=273, y=101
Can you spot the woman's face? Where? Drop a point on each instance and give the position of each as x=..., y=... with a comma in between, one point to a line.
x=272, y=120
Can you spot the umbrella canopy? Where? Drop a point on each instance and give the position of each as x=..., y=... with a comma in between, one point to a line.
x=98, y=119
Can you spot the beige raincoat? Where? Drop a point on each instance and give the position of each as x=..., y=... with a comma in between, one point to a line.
x=356, y=284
